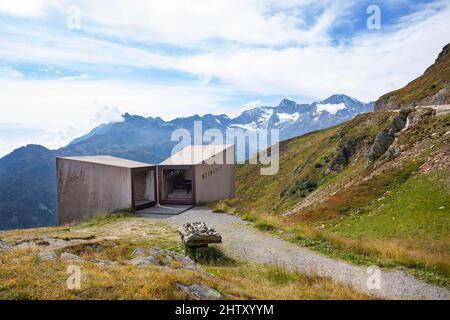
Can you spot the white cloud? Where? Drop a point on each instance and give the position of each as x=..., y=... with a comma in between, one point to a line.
x=189, y=22
x=371, y=65
x=330, y=108
x=267, y=48
x=67, y=109
x=32, y=8
x=10, y=72
x=252, y=104
x=107, y=114
x=365, y=67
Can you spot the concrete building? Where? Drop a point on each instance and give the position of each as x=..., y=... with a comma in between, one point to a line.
x=198, y=173
x=91, y=185
x=99, y=184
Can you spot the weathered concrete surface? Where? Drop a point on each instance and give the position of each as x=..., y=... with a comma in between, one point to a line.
x=85, y=189
x=91, y=185
x=211, y=169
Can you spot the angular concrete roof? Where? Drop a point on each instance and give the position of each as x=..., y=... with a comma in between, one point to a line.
x=196, y=154
x=110, y=161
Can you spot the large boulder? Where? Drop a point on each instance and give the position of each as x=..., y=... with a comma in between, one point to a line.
x=197, y=234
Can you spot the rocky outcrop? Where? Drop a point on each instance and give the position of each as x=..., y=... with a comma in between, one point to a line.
x=197, y=234
x=345, y=149
x=387, y=136
x=420, y=115
x=344, y=152
x=164, y=258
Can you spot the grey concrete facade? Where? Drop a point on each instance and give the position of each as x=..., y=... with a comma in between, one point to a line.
x=88, y=186
x=210, y=169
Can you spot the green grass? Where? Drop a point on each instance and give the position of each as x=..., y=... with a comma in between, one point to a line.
x=410, y=211
x=344, y=218
x=209, y=256
x=265, y=226
x=105, y=218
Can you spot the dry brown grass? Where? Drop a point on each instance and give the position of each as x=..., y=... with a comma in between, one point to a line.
x=24, y=276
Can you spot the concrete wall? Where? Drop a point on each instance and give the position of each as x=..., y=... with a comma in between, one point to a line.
x=144, y=186
x=214, y=182
x=85, y=189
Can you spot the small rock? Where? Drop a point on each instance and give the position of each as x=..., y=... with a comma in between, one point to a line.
x=199, y=292
x=165, y=258
x=103, y=263
x=441, y=208
x=144, y=262
x=138, y=252
x=41, y=242
x=4, y=246
x=94, y=247
x=70, y=257
x=46, y=256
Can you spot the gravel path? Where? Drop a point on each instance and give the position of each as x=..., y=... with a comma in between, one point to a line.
x=242, y=241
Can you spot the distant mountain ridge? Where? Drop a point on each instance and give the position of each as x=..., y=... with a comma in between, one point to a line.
x=27, y=175
x=148, y=139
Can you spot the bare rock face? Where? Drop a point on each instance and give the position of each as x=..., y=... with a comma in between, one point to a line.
x=197, y=234
x=387, y=136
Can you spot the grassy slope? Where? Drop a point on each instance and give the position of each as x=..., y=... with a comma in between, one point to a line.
x=435, y=78
x=382, y=212
x=23, y=276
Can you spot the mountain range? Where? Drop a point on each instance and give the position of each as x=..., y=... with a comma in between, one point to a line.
x=28, y=179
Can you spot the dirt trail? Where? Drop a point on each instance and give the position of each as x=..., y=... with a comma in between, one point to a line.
x=244, y=242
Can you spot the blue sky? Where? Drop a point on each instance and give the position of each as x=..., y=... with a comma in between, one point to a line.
x=175, y=58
